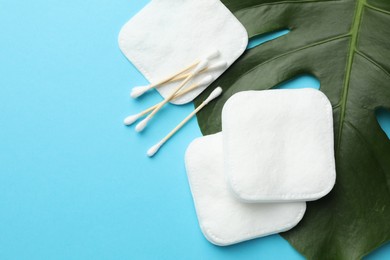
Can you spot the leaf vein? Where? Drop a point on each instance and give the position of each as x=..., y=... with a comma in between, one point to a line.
x=373, y=62
x=293, y=51
x=377, y=9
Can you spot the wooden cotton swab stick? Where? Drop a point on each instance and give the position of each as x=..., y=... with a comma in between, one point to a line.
x=217, y=66
x=140, y=90
x=141, y=125
x=154, y=149
x=205, y=81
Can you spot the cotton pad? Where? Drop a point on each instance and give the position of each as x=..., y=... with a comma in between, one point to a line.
x=225, y=220
x=278, y=145
x=167, y=36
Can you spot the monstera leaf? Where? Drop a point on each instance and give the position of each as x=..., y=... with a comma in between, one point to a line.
x=346, y=45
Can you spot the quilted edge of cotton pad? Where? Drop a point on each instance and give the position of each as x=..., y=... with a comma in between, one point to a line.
x=134, y=60
x=287, y=197
x=209, y=235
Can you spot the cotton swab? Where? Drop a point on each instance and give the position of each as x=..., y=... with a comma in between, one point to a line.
x=154, y=149
x=218, y=66
x=140, y=90
x=141, y=125
x=205, y=81
x=212, y=55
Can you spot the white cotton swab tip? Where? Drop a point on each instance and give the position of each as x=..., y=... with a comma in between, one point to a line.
x=201, y=66
x=131, y=119
x=216, y=93
x=139, y=91
x=219, y=66
x=213, y=55
x=154, y=149
x=205, y=81
x=141, y=125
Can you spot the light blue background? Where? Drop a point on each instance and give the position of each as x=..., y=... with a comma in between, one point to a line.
x=74, y=182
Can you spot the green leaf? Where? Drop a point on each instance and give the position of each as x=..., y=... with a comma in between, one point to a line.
x=346, y=45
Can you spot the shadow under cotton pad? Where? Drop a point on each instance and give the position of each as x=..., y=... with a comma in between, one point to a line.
x=225, y=220
x=278, y=145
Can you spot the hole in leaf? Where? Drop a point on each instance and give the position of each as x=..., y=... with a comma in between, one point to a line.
x=383, y=117
x=302, y=81
x=262, y=38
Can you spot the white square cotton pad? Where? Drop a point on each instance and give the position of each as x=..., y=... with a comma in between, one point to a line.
x=168, y=35
x=278, y=145
x=225, y=220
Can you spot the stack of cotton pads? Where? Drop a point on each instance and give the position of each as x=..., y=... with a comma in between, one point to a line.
x=274, y=153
